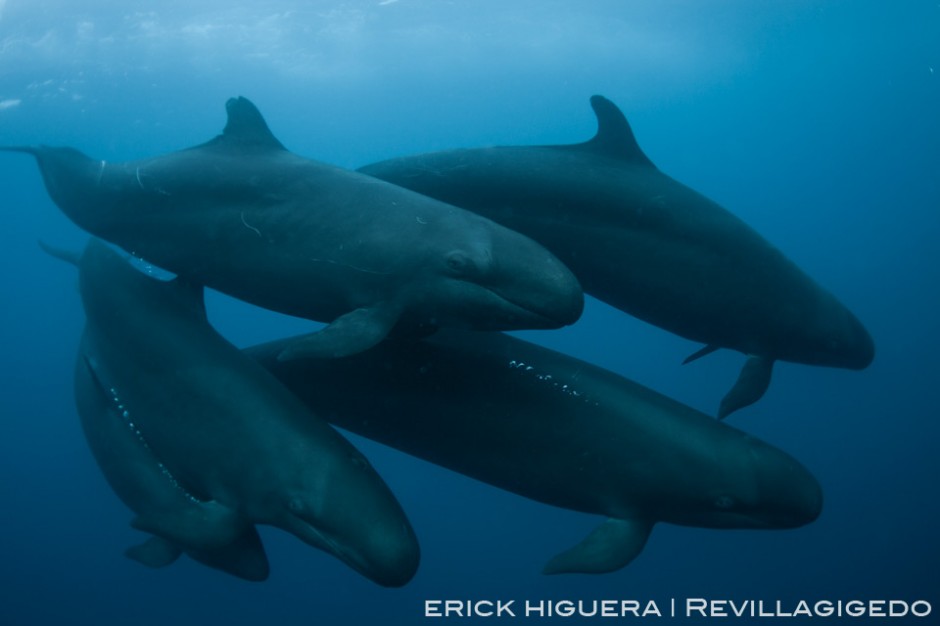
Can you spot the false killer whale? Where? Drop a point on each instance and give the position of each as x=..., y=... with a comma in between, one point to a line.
x=207, y=531
x=243, y=215
x=558, y=430
x=237, y=446
x=650, y=246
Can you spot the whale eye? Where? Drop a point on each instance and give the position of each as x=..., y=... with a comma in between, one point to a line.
x=724, y=502
x=459, y=264
x=295, y=505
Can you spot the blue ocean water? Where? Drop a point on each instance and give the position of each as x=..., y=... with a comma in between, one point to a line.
x=814, y=121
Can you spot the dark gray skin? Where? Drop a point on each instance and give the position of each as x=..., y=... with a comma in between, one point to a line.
x=223, y=429
x=650, y=246
x=207, y=531
x=243, y=215
x=560, y=431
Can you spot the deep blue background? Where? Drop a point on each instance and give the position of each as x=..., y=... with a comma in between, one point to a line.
x=817, y=122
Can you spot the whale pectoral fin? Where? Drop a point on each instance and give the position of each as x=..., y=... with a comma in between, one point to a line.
x=244, y=557
x=751, y=385
x=609, y=547
x=207, y=525
x=348, y=334
x=155, y=552
x=704, y=351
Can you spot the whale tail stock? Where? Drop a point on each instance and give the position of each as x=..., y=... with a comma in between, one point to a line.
x=74, y=183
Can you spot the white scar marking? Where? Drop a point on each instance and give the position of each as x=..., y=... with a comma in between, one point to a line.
x=129, y=421
x=352, y=267
x=100, y=174
x=421, y=220
x=249, y=226
x=139, y=182
x=548, y=379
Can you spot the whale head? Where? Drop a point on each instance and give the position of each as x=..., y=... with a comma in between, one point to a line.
x=836, y=338
x=745, y=483
x=489, y=277
x=345, y=509
x=789, y=496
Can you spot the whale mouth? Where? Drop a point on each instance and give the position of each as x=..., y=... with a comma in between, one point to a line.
x=864, y=350
x=511, y=284
x=790, y=495
x=519, y=314
x=387, y=572
x=552, y=298
x=502, y=309
x=563, y=314
x=309, y=533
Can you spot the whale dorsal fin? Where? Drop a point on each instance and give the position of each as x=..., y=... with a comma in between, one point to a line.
x=614, y=136
x=246, y=127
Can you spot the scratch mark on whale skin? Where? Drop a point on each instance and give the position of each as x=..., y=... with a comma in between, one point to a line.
x=123, y=411
x=551, y=383
x=249, y=226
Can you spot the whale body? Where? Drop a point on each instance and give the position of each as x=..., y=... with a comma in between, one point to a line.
x=649, y=246
x=207, y=531
x=232, y=447
x=243, y=215
x=560, y=431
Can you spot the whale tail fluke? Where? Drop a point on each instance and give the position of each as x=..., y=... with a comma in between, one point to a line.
x=33, y=150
